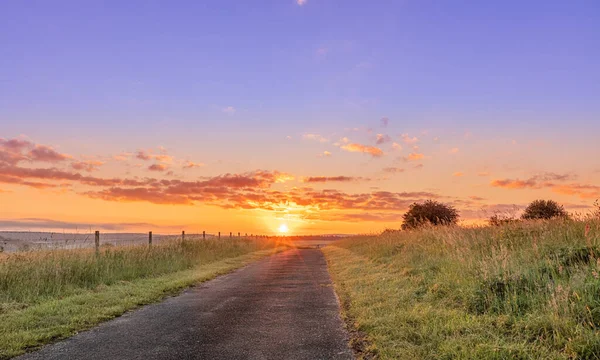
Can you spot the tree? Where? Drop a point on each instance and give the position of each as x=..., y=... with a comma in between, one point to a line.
x=429, y=212
x=544, y=209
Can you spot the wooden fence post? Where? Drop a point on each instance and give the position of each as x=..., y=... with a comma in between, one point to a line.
x=150, y=238
x=182, y=235
x=219, y=235
x=97, y=242
x=230, y=234
x=204, y=235
x=239, y=234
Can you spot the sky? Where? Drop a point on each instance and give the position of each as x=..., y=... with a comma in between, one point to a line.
x=326, y=116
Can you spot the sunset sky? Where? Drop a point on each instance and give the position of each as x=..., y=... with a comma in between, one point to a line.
x=327, y=116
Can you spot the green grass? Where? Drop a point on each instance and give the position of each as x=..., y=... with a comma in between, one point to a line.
x=50, y=295
x=520, y=291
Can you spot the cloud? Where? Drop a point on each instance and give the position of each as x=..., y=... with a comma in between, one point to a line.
x=418, y=166
x=554, y=182
x=535, y=182
x=384, y=121
x=147, y=155
x=301, y=2
x=458, y=174
x=324, y=154
x=371, y=150
x=393, y=170
x=192, y=165
x=414, y=157
x=476, y=198
x=591, y=192
x=87, y=165
x=454, y=150
x=514, y=184
x=229, y=110
x=43, y=153
x=396, y=146
x=381, y=139
x=408, y=140
x=40, y=223
x=124, y=156
x=483, y=173
x=367, y=217
x=324, y=179
x=157, y=167
x=142, y=155
x=315, y=137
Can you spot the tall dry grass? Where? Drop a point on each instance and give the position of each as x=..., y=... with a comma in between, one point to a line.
x=32, y=277
x=522, y=290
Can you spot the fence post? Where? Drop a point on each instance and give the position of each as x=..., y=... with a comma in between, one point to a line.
x=204, y=235
x=182, y=235
x=150, y=238
x=230, y=234
x=239, y=234
x=97, y=242
x=219, y=235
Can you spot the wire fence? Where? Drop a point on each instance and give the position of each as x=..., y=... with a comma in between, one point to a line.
x=31, y=240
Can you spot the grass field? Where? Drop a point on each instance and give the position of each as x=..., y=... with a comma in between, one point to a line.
x=49, y=295
x=519, y=291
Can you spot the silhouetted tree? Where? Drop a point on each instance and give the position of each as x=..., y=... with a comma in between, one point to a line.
x=429, y=212
x=544, y=209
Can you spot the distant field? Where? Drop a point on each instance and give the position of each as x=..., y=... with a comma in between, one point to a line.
x=48, y=295
x=521, y=291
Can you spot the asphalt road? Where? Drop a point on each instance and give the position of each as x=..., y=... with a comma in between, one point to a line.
x=282, y=307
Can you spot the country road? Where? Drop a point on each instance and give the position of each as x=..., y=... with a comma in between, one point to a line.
x=282, y=307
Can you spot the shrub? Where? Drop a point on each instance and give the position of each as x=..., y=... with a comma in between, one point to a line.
x=544, y=209
x=430, y=212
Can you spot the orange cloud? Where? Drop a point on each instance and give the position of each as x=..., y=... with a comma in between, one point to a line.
x=407, y=139
x=157, y=167
x=191, y=165
x=414, y=157
x=393, y=170
x=322, y=179
x=88, y=165
x=371, y=150
x=45, y=153
x=547, y=180
x=315, y=137
x=381, y=139
x=454, y=150
x=458, y=174
x=150, y=155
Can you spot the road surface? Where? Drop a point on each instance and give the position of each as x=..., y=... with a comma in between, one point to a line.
x=282, y=307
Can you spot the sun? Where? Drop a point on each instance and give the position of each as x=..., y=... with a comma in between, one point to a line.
x=283, y=228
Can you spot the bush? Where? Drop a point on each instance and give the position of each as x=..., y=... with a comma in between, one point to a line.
x=430, y=212
x=544, y=209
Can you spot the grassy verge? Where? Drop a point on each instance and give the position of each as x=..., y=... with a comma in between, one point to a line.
x=521, y=291
x=47, y=296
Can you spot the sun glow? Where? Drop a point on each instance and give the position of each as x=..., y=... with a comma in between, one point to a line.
x=283, y=228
